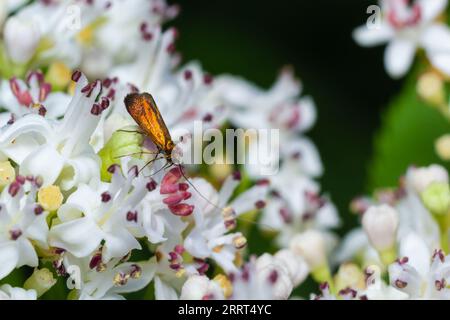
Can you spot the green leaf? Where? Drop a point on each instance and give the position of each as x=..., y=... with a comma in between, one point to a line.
x=410, y=128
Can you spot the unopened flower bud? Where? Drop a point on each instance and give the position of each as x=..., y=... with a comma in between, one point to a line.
x=41, y=280
x=21, y=39
x=276, y=273
x=311, y=246
x=436, y=198
x=420, y=178
x=349, y=275
x=296, y=266
x=430, y=88
x=442, y=146
x=380, y=224
x=201, y=288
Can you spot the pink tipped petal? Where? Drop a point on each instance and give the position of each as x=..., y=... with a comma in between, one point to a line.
x=181, y=209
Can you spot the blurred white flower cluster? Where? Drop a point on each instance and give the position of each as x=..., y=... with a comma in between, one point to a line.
x=404, y=236
x=79, y=204
x=407, y=26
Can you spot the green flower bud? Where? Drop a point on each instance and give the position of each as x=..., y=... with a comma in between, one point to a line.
x=121, y=144
x=41, y=280
x=436, y=198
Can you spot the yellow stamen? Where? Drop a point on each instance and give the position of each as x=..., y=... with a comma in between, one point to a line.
x=225, y=284
x=218, y=248
x=50, y=198
x=7, y=173
x=58, y=75
x=180, y=273
x=239, y=242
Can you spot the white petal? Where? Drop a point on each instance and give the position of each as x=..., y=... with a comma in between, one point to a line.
x=431, y=8
x=413, y=247
x=441, y=62
x=38, y=230
x=9, y=256
x=81, y=169
x=399, y=56
x=56, y=104
x=18, y=293
x=368, y=37
x=27, y=254
x=163, y=291
x=80, y=237
x=436, y=39
x=45, y=162
x=119, y=243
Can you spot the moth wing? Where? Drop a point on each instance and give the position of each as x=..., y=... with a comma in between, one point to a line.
x=145, y=112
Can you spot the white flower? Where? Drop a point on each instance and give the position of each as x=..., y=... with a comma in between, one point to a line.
x=277, y=108
x=414, y=275
x=103, y=213
x=210, y=238
x=311, y=246
x=10, y=293
x=59, y=151
x=380, y=224
x=129, y=23
x=406, y=27
x=32, y=96
x=294, y=205
x=201, y=288
x=265, y=278
x=22, y=225
x=421, y=178
x=377, y=289
x=182, y=96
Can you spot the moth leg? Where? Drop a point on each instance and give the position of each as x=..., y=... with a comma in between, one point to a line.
x=131, y=131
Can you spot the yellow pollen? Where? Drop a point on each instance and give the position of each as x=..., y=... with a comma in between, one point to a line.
x=238, y=260
x=120, y=279
x=239, y=242
x=228, y=212
x=86, y=36
x=136, y=274
x=218, y=248
x=7, y=173
x=50, y=198
x=180, y=273
x=58, y=75
x=225, y=284
x=101, y=267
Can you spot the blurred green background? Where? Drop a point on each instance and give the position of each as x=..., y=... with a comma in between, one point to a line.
x=256, y=39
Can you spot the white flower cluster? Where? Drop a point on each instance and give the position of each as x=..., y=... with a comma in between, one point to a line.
x=78, y=198
x=404, y=234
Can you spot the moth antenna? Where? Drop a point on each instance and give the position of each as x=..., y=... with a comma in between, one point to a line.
x=150, y=162
x=135, y=153
x=131, y=131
